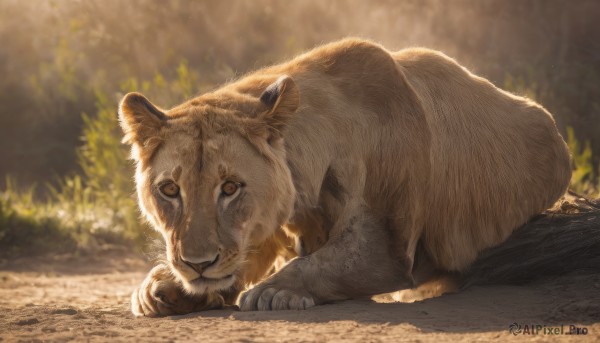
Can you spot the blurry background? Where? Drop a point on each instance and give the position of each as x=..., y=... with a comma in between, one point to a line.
x=66, y=182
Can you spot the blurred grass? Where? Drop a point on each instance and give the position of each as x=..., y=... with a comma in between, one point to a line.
x=27, y=226
x=97, y=205
x=586, y=178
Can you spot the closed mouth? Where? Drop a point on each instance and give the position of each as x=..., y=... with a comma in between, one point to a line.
x=212, y=283
x=207, y=279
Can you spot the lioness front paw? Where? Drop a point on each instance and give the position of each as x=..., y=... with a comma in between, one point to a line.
x=152, y=299
x=272, y=298
x=160, y=294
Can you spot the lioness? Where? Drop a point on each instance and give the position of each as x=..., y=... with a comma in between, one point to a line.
x=380, y=169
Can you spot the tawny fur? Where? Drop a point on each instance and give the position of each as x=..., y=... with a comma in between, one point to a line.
x=408, y=149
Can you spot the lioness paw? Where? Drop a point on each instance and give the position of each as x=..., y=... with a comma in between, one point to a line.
x=160, y=294
x=156, y=295
x=274, y=299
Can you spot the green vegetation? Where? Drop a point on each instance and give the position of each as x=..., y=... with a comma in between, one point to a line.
x=97, y=205
x=586, y=178
x=81, y=211
x=26, y=226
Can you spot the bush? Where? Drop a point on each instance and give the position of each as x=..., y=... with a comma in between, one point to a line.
x=585, y=179
x=26, y=229
x=96, y=206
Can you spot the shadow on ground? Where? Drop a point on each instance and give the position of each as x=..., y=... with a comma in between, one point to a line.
x=564, y=301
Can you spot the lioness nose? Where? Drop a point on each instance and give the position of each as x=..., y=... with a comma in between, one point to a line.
x=200, y=266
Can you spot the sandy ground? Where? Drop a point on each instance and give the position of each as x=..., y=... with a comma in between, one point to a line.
x=87, y=299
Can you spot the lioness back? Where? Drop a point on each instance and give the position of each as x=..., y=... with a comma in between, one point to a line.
x=496, y=159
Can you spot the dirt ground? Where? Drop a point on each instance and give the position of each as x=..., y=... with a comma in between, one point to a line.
x=70, y=298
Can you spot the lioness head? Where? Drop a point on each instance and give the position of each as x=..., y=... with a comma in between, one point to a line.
x=212, y=176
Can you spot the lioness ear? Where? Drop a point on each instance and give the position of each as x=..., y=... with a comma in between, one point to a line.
x=139, y=119
x=281, y=99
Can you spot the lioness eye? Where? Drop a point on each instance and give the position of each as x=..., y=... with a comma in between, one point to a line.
x=229, y=187
x=169, y=189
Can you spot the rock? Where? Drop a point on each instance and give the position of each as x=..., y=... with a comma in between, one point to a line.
x=68, y=311
x=29, y=321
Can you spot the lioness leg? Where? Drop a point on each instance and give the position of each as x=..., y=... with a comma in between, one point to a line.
x=357, y=261
x=160, y=294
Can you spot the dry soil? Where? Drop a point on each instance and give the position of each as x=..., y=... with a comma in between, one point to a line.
x=86, y=298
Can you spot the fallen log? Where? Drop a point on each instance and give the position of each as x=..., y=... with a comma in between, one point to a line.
x=562, y=240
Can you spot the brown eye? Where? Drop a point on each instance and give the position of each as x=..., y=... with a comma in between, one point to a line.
x=230, y=187
x=170, y=189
